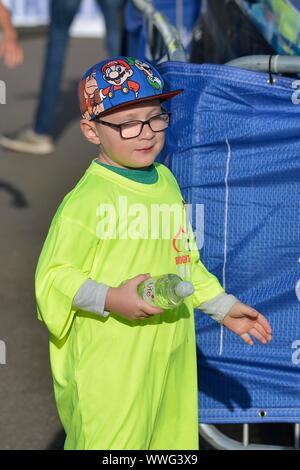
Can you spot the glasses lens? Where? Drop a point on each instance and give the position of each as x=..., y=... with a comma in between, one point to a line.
x=131, y=129
x=160, y=122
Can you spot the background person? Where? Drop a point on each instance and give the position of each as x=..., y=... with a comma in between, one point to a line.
x=10, y=50
x=38, y=139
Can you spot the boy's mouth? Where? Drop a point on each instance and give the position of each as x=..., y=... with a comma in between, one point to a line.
x=146, y=149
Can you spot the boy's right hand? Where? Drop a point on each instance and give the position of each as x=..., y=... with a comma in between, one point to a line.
x=125, y=301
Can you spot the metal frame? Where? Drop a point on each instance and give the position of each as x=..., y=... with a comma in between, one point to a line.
x=165, y=44
x=164, y=39
x=220, y=441
x=267, y=63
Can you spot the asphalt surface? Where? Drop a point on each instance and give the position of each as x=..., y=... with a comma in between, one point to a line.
x=31, y=188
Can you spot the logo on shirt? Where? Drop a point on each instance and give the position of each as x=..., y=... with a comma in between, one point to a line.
x=181, y=246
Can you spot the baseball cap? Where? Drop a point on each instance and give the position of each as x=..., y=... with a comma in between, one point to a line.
x=114, y=83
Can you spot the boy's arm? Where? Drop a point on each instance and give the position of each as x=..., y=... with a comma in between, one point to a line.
x=218, y=307
x=91, y=297
x=64, y=266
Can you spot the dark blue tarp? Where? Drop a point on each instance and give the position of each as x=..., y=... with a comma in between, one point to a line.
x=234, y=146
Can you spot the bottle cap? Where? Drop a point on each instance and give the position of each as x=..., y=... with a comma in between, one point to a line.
x=184, y=289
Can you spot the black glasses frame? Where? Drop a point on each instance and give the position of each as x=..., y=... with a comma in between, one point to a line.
x=148, y=121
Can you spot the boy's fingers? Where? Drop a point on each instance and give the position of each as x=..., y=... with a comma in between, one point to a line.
x=258, y=336
x=142, y=316
x=261, y=330
x=246, y=338
x=261, y=320
x=140, y=278
x=265, y=324
x=152, y=310
x=149, y=309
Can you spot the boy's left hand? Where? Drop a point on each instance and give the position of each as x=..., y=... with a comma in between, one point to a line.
x=244, y=320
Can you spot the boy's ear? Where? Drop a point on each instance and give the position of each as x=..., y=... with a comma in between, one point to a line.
x=89, y=130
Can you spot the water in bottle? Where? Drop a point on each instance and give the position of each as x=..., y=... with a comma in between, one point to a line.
x=167, y=291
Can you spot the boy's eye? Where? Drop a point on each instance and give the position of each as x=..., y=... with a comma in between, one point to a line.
x=119, y=69
x=130, y=123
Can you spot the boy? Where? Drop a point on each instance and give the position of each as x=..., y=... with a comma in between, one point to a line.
x=125, y=373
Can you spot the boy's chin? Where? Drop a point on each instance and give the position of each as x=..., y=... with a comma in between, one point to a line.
x=142, y=164
x=138, y=167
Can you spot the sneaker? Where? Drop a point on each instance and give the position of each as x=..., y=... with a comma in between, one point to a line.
x=27, y=141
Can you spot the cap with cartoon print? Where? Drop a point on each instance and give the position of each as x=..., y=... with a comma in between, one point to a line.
x=114, y=83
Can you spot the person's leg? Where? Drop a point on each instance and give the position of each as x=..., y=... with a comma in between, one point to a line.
x=111, y=11
x=38, y=139
x=62, y=15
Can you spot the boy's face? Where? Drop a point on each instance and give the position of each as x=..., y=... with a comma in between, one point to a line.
x=137, y=152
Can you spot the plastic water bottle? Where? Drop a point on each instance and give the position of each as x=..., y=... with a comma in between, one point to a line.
x=166, y=291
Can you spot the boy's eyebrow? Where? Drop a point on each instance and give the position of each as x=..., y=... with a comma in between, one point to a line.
x=133, y=115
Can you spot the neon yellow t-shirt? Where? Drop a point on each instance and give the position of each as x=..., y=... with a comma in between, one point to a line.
x=122, y=384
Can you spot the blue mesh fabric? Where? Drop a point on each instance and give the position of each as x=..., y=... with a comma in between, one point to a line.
x=234, y=146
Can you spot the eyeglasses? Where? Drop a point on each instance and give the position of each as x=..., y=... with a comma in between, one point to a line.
x=132, y=129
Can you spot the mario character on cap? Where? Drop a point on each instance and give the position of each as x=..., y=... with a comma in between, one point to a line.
x=117, y=73
x=113, y=84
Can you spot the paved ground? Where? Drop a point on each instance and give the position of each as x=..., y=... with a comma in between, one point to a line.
x=31, y=188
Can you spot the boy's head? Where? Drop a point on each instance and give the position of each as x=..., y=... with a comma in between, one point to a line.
x=115, y=94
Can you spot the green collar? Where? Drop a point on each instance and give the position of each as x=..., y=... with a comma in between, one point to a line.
x=147, y=175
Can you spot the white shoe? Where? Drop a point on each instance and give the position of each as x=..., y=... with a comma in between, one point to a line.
x=28, y=141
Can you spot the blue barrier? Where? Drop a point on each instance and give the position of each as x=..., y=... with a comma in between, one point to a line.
x=234, y=146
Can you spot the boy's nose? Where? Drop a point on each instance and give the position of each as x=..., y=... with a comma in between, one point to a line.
x=147, y=132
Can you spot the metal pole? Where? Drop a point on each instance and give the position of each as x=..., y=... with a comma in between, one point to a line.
x=179, y=18
x=220, y=441
x=262, y=63
x=245, y=435
x=297, y=436
x=169, y=34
